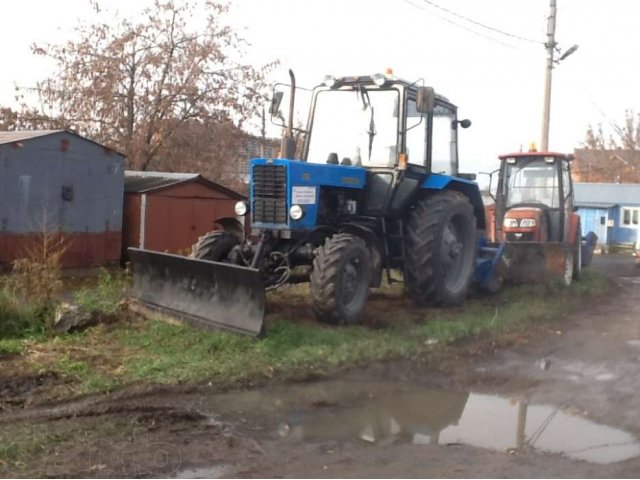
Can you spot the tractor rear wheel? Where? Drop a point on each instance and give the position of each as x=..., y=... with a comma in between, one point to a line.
x=340, y=279
x=214, y=246
x=577, y=254
x=440, y=249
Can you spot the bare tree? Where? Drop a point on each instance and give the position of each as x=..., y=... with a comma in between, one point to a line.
x=27, y=119
x=615, y=158
x=135, y=85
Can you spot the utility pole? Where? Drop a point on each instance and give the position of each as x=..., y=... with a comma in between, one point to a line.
x=550, y=45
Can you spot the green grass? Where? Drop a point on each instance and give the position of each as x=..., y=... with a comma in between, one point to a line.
x=19, y=319
x=11, y=346
x=137, y=350
x=105, y=297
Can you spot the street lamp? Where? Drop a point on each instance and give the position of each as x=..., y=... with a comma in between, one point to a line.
x=567, y=53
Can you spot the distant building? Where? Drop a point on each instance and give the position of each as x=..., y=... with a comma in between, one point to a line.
x=611, y=210
x=57, y=182
x=167, y=212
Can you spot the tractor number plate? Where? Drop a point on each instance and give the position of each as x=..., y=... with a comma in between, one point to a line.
x=303, y=196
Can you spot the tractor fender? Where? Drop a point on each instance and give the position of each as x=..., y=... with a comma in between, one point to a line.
x=469, y=189
x=231, y=225
x=373, y=243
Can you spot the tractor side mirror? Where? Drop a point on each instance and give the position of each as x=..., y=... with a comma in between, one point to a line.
x=466, y=123
x=425, y=99
x=493, y=186
x=274, y=108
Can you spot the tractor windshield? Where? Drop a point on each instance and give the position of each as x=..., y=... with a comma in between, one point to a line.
x=532, y=181
x=358, y=124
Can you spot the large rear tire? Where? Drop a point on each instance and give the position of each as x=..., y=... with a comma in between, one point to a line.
x=577, y=254
x=440, y=249
x=340, y=279
x=214, y=246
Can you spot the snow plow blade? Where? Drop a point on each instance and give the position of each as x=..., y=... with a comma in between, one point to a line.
x=534, y=262
x=206, y=294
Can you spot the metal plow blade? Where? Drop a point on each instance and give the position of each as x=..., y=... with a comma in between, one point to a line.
x=535, y=262
x=206, y=294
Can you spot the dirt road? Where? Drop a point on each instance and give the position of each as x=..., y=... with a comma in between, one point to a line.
x=558, y=401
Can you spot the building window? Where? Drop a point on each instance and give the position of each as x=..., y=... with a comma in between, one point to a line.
x=603, y=220
x=630, y=217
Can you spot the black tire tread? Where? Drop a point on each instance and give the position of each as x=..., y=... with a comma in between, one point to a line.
x=423, y=234
x=214, y=245
x=324, y=276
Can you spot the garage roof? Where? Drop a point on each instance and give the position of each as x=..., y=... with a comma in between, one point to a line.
x=19, y=136
x=144, y=182
x=24, y=135
x=606, y=195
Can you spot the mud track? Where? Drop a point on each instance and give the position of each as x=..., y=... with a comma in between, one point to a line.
x=482, y=408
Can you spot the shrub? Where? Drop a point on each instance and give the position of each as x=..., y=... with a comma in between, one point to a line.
x=104, y=298
x=29, y=295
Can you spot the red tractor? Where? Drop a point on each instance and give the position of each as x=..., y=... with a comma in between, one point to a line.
x=535, y=216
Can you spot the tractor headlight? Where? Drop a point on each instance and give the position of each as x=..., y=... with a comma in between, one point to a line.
x=510, y=223
x=528, y=223
x=295, y=212
x=241, y=208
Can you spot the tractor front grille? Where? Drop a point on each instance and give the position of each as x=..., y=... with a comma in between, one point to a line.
x=269, y=194
x=524, y=237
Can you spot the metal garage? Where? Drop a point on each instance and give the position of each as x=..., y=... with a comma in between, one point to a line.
x=167, y=212
x=57, y=181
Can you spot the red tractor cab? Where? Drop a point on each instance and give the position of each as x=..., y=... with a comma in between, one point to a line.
x=536, y=218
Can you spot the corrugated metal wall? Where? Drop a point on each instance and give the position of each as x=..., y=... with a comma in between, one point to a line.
x=61, y=182
x=174, y=217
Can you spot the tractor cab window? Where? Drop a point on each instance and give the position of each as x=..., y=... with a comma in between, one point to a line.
x=416, y=138
x=532, y=182
x=357, y=126
x=443, y=152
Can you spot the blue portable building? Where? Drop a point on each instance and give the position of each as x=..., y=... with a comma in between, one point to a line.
x=611, y=210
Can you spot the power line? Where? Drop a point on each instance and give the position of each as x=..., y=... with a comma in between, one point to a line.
x=482, y=25
x=448, y=20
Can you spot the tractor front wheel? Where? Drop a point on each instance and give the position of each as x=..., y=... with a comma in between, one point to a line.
x=569, y=263
x=440, y=249
x=340, y=279
x=214, y=246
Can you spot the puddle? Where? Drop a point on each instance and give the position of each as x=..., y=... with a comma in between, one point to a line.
x=215, y=471
x=377, y=413
x=634, y=343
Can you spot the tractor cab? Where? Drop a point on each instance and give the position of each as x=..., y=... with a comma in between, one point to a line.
x=397, y=131
x=381, y=122
x=534, y=200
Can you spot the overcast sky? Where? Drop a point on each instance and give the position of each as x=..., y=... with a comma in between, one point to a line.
x=496, y=79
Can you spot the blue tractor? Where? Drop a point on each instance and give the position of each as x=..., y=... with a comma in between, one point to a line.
x=372, y=191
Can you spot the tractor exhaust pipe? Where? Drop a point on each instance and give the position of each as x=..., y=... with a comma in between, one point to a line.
x=288, y=147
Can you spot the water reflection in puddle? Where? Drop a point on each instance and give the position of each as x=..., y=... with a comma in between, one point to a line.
x=387, y=412
x=215, y=471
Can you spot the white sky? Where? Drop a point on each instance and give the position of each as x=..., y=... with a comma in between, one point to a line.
x=499, y=87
